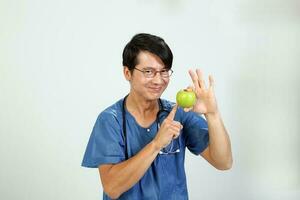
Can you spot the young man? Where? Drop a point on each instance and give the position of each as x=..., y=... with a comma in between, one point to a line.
x=138, y=144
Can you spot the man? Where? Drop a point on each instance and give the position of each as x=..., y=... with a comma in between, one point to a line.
x=138, y=143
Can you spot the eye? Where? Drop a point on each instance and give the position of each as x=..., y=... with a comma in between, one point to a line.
x=165, y=71
x=148, y=71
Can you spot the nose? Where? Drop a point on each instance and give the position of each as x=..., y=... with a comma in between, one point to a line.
x=158, y=79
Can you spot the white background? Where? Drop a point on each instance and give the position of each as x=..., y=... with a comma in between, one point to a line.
x=60, y=65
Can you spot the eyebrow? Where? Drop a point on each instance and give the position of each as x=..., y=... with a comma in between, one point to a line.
x=145, y=68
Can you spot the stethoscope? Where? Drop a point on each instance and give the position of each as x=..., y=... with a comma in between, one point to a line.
x=159, y=113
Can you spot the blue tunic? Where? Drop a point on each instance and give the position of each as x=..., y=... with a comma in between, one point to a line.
x=165, y=178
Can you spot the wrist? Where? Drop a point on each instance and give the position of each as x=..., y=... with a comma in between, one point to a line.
x=213, y=115
x=156, y=145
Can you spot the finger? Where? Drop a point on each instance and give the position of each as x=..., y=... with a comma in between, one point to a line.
x=172, y=113
x=194, y=79
x=177, y=124
x=201, y=79
x=174, y=131
x=190, y=88
x=176, y=135
x=187, y=109
x=211, y=82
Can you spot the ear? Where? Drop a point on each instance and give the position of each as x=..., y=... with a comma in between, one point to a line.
x=127, y=73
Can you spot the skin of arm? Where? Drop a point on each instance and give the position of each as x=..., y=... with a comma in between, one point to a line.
x=218, y=153
x=118, y=178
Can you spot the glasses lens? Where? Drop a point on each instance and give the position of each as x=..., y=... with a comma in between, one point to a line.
x=149, y=73
x=166, y=73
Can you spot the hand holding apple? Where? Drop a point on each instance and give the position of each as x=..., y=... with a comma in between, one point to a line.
x=206, y=102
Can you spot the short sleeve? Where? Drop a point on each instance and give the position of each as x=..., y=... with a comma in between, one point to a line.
x=106, y=144
x=196, y=135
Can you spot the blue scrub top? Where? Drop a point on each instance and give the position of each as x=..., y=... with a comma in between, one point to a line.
x=165, y=178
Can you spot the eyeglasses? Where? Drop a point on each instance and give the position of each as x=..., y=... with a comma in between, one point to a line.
x=151, y=73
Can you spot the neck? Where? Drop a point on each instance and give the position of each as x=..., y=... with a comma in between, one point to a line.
x=141, y=107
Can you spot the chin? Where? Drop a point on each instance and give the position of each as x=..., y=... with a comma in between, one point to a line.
x=151, y=96
x=155, y=96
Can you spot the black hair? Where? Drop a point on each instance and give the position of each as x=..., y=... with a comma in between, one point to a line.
x=146, y=42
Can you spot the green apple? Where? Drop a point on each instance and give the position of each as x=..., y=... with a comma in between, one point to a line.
x=186, y=98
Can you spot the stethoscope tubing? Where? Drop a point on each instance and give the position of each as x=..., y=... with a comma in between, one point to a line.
x=161, y=109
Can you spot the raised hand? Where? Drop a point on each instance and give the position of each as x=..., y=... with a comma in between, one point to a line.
x=170, y=129
x=206, y=101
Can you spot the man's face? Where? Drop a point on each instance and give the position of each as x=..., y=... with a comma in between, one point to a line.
x=148, y=88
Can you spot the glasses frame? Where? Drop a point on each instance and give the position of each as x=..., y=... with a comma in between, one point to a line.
x=155, y=72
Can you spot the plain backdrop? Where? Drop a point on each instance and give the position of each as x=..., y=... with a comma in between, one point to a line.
x=61, y=65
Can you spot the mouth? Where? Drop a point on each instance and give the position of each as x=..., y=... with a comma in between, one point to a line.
x=155, y=89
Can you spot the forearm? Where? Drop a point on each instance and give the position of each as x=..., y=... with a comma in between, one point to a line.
x=124, y=175
x=219, y=142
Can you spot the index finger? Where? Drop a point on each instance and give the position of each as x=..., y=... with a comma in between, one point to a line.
x=194, y=79
x=172, y=113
